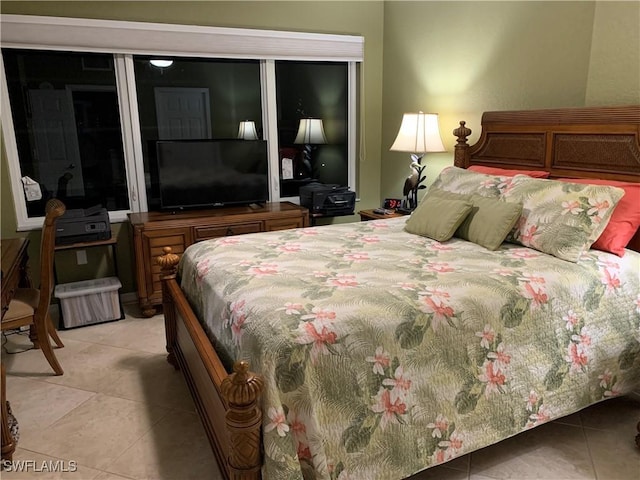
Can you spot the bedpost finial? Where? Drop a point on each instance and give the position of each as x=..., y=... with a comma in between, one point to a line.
x=242, y=387
x=241, y=367
x=461, y=148
x=168, y=262
x=462, y=132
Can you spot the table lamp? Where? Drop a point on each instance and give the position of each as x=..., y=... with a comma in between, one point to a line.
x=418, y=134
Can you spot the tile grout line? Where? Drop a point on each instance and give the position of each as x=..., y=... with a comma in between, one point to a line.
x=586, y=441
x=135, y=442
x=117, y=456
x=469, y=466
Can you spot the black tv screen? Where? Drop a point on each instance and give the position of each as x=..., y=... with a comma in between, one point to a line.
x=211, y=173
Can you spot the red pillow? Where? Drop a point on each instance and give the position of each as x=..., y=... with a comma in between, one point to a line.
x=625, y=219
x=508, y=173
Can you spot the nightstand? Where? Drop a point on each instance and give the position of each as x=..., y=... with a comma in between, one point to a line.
x=366, y=215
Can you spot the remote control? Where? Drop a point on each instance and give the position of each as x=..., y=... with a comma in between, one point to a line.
x=382, y=211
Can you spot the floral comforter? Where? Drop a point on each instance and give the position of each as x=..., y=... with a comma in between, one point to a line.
x=385, y=353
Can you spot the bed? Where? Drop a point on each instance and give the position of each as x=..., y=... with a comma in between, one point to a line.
x=379, y=353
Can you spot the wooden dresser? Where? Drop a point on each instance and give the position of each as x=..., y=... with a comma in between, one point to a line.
x=154, y=230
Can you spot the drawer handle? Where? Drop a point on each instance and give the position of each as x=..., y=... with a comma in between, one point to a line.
x=229, y=231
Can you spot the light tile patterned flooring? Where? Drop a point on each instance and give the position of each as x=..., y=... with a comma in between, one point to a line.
x=121, y=412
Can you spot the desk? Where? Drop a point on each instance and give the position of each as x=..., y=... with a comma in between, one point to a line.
x=14, y=268
x=14, y=274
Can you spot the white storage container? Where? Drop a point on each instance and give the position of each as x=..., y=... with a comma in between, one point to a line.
x=89, y=301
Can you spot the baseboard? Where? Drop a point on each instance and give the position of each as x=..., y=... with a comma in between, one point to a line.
x=129, y=297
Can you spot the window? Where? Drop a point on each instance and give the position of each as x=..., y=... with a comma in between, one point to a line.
x=193, y=98
x=67, y=127
x=110, y=105
x=312, y=151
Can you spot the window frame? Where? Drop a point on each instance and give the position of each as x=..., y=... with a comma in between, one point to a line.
x=123, y=39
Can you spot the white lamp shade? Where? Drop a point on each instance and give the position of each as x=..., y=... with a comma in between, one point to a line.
x=419, y=133
x=161, y=63
x=310, y=132
x=247, y=130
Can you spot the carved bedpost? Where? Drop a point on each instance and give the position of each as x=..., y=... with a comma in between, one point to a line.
x=461, y=149
x=242, y=391
x=168, y=268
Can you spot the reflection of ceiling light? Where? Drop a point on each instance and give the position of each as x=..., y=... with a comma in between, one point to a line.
x=157, y=62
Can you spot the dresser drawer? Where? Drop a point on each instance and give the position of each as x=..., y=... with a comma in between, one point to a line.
x=283, y=223
x=206, y=232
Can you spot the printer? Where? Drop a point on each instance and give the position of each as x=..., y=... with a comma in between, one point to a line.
x=327, y=199
x=83, y=225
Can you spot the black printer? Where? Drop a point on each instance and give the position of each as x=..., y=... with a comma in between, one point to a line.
x=328, y=199
x=83, y=225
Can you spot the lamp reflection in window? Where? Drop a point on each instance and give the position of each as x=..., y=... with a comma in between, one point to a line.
x=247, y=130
x=310, y=133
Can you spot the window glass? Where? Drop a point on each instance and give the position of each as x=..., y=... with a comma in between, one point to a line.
x=310, y=94
x=67, y=126
x=193, y=99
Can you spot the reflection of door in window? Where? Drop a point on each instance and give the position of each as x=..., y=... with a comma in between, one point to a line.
x=182, y=113
x=100, y=143
x=56, y=140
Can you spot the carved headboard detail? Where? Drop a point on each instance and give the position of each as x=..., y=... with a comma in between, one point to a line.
x=592, y=142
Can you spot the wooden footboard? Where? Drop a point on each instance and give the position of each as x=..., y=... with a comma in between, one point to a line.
x=228, y=404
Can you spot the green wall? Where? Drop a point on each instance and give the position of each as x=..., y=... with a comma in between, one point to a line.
x=455, y=58
x=352, y=18
x=459, y=59
x=614, y=66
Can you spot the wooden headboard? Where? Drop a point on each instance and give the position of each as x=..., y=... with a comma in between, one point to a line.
x=592, y=142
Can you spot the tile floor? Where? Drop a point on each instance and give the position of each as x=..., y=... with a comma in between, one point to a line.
x=121, y=412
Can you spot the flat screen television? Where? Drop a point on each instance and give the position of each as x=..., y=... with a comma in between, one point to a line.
x=211, y=173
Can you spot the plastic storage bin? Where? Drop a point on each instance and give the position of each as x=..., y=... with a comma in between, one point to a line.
x=89, y=301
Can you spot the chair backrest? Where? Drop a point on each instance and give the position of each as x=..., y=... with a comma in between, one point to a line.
x=53, y=210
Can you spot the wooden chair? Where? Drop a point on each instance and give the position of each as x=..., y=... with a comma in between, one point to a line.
x=30, y=306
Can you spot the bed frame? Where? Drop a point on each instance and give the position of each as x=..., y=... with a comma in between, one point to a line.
x=597, y=142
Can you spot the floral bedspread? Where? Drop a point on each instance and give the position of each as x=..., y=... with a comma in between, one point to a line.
x=385, y=353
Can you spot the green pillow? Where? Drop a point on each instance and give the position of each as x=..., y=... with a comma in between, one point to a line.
x=489, y=221
x=437, y=217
